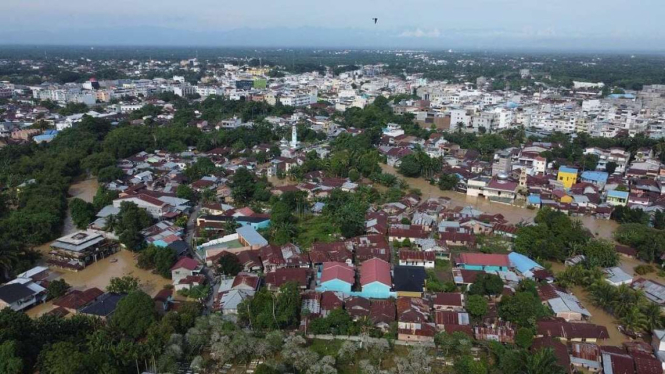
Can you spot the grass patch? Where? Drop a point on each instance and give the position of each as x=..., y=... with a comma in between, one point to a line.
x=325, y=347
x=442, y=264
x=315, y=229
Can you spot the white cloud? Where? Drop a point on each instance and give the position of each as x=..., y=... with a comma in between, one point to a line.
x=420, y=33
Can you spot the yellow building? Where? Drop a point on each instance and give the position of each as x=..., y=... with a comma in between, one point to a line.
x=567, y=176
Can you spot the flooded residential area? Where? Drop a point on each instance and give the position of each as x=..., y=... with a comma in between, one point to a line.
x=100, y=273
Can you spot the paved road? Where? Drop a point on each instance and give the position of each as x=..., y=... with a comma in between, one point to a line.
x=189, y=238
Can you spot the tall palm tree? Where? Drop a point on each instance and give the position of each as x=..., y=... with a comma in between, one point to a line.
x=8, y=257
x=626, y=298
x=602, y=295
x=111, y=223
x=541, y=362
x=634, y=320
x=653, y=316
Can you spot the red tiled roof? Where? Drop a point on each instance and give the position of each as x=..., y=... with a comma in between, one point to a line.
x=77, y=299
x=483, y=259
x=337, y=270
x=280, y=276
x=407, y=255
x=187, y=263
x=375, y=270
x=447, y=299
x=247, y=279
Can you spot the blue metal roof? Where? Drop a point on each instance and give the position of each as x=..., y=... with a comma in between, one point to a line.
x=596, y=176
x=251, y=236
x=522, y=263
x=534, y=199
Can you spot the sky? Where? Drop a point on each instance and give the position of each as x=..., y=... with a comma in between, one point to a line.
x=440, y=24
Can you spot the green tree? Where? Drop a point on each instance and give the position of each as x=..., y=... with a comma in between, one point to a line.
x=125, y=284
x=542, y=361
x=229, y=264
x=447, y=182
x=524, y=337
x=82, y=212
x=242, y=186
x=611, y=167
x=63, y=358
x=486, y=285
x=134, y=314
x=109, y=174
x=523, y=309
x=467, y=365
x=131, y=220
x=185, y=192
x=600, y=253
x=10, y=361
x=476, y=305
x=56, y=289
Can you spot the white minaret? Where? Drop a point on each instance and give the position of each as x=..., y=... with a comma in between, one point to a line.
x=294, y=137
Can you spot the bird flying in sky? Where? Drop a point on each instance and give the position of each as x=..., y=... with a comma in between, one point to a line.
x=375, y=20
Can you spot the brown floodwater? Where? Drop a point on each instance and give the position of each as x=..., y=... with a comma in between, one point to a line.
x=601, y=317
x=512, y=213
x=98, y=274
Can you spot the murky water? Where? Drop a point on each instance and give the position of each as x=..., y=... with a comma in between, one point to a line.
x=513, y=214
x=99, y=275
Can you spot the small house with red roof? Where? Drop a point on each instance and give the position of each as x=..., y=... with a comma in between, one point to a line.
x=336, y=276
x=186, y=273
x=375, y=279
x=417, y=258
x=483, y=261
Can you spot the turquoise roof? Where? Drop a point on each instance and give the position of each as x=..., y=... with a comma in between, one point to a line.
x=617, y=194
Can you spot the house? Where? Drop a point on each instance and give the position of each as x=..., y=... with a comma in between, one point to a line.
x=19, y=296
x=523, y=264
x=616, y=276
x=568, y=307
x=289, y=255
x=104, y=306
x=443, y=318
x=409, y=280
x=330, y=252
x=597, y=178
x=370, y=246
x=574, y=332
x=279, y=277
x=403, y=232
x=336, y=276
x=249, y=237
x=567, y=176
x=357, y=307
x=185, y=273
x=382, y=313
x=586, y=356
x=413, y=320
x=502, y=332
x=375, y=279
x=79, y=249
x=483, y=261
x=653, y=290
x=77, y=299
x=615, y=198
x=227, y=302
x=157, y=208
x=448, y=301
x=417, y=258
